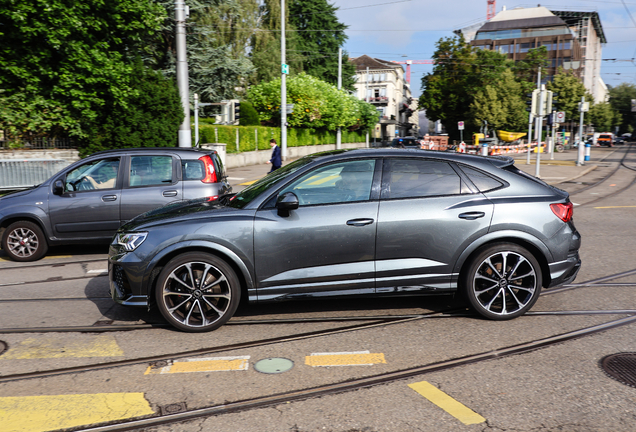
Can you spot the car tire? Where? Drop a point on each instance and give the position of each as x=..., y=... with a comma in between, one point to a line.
x=24, y=241
x=197, y=292
x=502, y=281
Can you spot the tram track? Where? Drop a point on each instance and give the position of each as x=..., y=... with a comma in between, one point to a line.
x=359, y=383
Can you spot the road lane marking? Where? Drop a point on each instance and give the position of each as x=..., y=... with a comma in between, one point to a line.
x=202, y=364
x=100, y=271
x=612, y=207
x=45, y=413
x=248, y=183
x=447, y=403
x=355, y=358
x=40, y=348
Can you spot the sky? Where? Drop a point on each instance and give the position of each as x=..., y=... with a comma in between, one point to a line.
x=409, y=29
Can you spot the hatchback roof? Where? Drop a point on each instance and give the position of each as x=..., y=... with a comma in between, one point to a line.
x=155, y=149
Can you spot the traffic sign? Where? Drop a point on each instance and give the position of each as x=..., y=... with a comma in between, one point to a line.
x=560, y=116
x=290, y=108
x=460, y=125
x=285, y=68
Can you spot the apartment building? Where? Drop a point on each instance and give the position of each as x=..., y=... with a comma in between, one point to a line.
x=573, y=40
x=382, y=83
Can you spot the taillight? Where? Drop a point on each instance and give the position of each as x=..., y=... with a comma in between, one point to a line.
x=210, y=173
x=563, y=211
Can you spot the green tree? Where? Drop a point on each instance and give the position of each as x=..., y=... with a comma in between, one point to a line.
x=570, y=89
x=620, y=99
x=151, y=118
x=218, y=36
x=320, y=34
x=317, y=105
x=527, y=70
x=265, y=51
x=500, y=105
x=71, y=63
x=603, y=117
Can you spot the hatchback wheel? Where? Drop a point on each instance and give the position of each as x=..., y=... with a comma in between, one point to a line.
x=503, y=281
x=197, y=292
x=24, y=241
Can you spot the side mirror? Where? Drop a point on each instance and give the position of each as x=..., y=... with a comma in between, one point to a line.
x=286, y=202
x=58, y=187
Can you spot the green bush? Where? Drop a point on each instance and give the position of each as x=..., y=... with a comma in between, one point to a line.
x=249, y=116
x=247, y=137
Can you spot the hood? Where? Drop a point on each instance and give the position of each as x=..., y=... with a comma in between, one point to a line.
x=180, y=210
x=16, y=194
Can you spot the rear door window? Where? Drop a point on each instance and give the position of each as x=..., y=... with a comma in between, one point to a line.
x=150, y=171
x=415, y=178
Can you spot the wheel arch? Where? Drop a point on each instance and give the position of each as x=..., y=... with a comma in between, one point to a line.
x=532, y=244
x=25, y=217
x=230, y=257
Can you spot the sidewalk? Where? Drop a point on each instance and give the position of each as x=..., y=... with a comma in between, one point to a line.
x=553, y=171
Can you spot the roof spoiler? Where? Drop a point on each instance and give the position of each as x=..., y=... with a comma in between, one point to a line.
x=501, y=161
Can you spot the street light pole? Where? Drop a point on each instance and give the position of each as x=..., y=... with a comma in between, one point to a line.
x=580, y=155
x=185, y=134
x=283, y=85
x=339, y=131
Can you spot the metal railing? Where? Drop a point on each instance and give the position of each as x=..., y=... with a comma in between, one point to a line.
x=21, y=174
x=39, y=144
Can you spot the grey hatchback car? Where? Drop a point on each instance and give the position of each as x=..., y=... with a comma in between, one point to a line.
x=90, y=199
x=384, y=222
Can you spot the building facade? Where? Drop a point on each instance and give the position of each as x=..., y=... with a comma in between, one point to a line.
x=573, y=41
x=382, y=83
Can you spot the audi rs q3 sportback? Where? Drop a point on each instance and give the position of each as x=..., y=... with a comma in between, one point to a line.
x=381, y=222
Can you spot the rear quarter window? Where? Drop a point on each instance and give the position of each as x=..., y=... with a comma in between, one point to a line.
x=483, y=181
x=192, y=169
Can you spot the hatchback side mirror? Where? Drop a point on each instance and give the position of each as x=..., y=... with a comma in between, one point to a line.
x=286, y=202
x=58, y=187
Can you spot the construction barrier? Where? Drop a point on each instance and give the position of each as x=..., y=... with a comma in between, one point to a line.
x=21, y=174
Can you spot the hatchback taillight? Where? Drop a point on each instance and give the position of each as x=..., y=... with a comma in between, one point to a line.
x=563, y=211
x=210, y=172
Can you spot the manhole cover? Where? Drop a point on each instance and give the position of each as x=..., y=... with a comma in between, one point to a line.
x=3, y=347
x=273, y=365
x=621, y=367
x=173, y=408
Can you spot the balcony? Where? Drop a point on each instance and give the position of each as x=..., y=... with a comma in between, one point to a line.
x=379, y=100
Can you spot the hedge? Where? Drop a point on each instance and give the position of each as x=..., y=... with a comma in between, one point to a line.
x=247, y=137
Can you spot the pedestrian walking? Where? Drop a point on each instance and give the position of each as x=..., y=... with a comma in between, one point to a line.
x=276, y=159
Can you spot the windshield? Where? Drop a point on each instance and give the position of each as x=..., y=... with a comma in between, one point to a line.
x=244, y=197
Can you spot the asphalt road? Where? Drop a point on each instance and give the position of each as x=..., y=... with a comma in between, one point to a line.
x=559, y=387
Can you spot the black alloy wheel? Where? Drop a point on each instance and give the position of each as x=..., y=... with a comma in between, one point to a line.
x=24, y=241
x=503, y=281
x=197, y=292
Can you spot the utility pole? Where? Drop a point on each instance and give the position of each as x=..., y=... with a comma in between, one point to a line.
x=339, y=131
x=582, y=108
x=181, y=13
x=283, y=85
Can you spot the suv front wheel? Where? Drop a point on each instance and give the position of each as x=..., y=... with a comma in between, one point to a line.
x=24, y=241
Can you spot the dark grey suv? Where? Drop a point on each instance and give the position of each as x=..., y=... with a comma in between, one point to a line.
x=360, y=222
x=90, y=199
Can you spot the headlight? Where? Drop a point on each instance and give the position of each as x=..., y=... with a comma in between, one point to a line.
x=131, y=241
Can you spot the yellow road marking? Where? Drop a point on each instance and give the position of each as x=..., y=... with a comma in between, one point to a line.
x=359, y=358
x=39, y=348
x=212, y=364
x=46, y=413
x=247, y=183
x=447, y=403
x=610, y=207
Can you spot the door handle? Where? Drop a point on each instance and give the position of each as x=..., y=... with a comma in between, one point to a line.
x=109, y=198
x=359, y=222
x=472, y=215
x=170, y=193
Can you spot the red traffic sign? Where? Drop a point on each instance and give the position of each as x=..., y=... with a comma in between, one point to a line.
x=560, y=116
x=460, y=125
